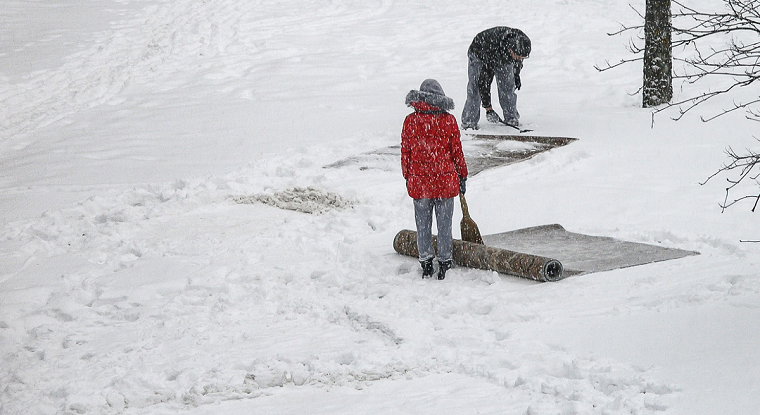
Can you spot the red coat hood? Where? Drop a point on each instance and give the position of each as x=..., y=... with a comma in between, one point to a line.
x=423, y=106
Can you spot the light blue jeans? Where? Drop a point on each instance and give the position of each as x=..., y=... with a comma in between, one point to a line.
x=423, y=216
x=505, y=84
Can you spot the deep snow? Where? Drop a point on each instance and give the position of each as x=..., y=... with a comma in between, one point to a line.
x=139, y=273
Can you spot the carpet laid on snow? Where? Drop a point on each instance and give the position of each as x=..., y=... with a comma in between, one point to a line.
x=579, y=253
x=485, y=151
x=482, y=152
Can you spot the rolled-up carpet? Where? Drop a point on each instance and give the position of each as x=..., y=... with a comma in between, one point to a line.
x=472, y=255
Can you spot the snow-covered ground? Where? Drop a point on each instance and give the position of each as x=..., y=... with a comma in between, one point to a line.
x=141, y=274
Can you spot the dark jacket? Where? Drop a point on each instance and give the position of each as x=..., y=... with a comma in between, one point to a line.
x=431, y=151
x=492, y=46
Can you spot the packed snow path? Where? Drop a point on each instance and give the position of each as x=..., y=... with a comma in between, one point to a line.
x=141, y=274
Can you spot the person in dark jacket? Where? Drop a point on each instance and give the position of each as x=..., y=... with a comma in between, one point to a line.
x=435, y=170
x=495, y=53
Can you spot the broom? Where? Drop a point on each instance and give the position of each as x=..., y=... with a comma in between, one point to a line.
x=469, y=228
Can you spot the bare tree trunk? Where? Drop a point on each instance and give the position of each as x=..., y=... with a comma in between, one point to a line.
x=658, y=56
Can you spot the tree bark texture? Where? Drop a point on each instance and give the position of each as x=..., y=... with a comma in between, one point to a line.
x=479, y=256
x=658, y=55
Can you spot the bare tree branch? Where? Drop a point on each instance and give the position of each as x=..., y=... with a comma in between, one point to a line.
x=746, y=168
x=610, y=66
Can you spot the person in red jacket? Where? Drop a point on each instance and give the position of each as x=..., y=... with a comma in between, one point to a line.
x=435, y=170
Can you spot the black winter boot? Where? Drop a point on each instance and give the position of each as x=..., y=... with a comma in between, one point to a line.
x=444, y=266
x=427, y=268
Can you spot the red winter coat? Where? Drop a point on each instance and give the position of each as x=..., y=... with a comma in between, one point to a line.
x=432, y=160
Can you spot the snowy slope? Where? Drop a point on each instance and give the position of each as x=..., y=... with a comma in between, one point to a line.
x=140, y=274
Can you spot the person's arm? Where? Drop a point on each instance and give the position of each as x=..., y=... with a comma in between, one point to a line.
x=518, y=67
x=405, y=151
x=457, y=155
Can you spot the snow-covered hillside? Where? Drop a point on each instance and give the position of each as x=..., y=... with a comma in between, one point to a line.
x=141, y=274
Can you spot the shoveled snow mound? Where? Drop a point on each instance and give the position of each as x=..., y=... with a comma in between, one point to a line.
x=299, y=199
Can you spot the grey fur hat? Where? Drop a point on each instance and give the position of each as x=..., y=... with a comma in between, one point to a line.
x=430, y=93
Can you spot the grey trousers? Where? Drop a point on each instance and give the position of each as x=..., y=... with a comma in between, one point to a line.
x=505, y=85
x=423, y=216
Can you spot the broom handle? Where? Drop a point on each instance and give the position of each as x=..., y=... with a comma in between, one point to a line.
x=463, y=202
